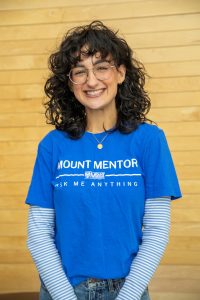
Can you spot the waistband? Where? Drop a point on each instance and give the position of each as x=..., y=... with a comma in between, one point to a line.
x=112, y=284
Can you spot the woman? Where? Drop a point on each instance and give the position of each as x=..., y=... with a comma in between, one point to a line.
x=103, y=179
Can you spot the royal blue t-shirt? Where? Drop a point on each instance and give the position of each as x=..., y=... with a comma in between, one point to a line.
x=99, y=195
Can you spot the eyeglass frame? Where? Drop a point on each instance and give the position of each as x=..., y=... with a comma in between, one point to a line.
x=88, y=69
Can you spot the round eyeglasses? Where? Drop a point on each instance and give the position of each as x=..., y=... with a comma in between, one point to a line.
x=102, y=71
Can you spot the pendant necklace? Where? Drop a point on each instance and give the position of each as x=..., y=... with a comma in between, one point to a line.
x=100, y=143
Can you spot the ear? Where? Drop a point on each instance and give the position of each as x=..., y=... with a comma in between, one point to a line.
x=121, y=73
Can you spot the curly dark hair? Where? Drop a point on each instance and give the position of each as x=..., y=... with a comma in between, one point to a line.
x=132, y=101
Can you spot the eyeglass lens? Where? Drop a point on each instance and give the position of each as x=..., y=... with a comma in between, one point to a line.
x=102, y=71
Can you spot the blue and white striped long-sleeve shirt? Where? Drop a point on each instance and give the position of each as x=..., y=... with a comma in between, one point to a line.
x=41, y=234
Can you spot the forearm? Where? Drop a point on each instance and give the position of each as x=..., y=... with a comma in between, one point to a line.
x=154, y=241
x=45, y=255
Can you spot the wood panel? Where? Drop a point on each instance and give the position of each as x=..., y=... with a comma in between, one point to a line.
x=173, y=69
x=190, y=186
x=18, y=147
x=172, y=273
x=86, y=13
x=126, y=26
x=14, y=202
x=20, y=256
x=155, y=85
x=185, y=229
x=137, y=40
x=23, y=76
x=162, y=100
x=181, y=273
x=168, y=115
x=155, y=55
x=186, y=158
x=23, y=105
x=14, y=189
x=18, y=243
x=165, y=36
x=29, y=147
x=25, y=62
x=173, y=296
x=163, y=39
x=14, y=175
x=14, y=216
x=175, y=114
x=180, y=128
x=183, y=143
x=170, y=285
x=16, y=229
x=26, y=279
x=170, y=54
x=171, y=129
x=175, y=99
x=155, y=70
x=17, y=161
x=181, y=254
x=22, y=91
x=23, y=4
x=190, y=215
x=160, y=85
x=187, y=202
x=23, y=133
x=188, y=172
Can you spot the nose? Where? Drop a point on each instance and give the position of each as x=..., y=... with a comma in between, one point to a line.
x=91, y=78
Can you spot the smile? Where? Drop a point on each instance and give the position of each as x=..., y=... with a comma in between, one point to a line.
x=94, y=93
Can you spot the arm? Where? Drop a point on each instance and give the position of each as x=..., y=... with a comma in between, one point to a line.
x=154, y=241
x=45, y=255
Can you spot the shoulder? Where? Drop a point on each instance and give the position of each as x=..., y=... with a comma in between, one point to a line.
x=147, y=136
x=148, y=130
x=145, y=133
x=53, y=138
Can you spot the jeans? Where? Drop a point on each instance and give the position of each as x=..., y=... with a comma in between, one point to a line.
x=101, y=290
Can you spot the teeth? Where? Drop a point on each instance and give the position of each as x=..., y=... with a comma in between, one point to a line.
x=94, y=93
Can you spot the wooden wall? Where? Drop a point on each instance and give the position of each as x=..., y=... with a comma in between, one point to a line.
x=165, y=35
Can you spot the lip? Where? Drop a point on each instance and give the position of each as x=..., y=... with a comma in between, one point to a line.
x=94, y=93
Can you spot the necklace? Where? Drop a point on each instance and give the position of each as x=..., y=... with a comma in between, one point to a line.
x=100, y=143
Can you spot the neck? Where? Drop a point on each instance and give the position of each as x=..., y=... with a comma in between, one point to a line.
x=98, y=121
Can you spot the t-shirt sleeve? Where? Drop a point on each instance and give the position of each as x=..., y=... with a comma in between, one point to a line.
x=159, y=171
x=41, y=191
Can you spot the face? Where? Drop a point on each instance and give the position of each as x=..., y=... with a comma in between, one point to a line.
x=97, y=94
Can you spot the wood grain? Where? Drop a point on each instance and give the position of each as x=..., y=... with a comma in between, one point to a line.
x=165, y=37
x=126, y=26
x=86, y=13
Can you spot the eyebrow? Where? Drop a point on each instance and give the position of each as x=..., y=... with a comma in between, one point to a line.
x=98, y=61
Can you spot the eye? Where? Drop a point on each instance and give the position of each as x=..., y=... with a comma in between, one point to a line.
x=103, y=67
x=79, y=72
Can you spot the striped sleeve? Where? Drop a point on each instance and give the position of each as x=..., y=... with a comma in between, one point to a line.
x=41, y=244
x=154, y=241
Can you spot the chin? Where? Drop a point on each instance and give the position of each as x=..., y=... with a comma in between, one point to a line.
x=95, y=108
x=95, y=105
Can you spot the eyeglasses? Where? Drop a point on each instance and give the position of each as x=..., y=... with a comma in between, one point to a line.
x=102, y=71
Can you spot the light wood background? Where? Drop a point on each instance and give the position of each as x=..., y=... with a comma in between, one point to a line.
x=166, y=37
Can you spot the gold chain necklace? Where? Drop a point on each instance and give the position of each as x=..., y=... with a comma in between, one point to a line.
x=100, y=143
